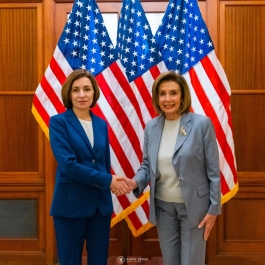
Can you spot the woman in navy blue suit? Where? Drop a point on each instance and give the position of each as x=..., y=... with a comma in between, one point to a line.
x=82, y=204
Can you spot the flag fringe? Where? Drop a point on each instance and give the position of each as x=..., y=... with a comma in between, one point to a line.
x=141, y=230
x=40, y=121
x=230, y=194
x=129, y=210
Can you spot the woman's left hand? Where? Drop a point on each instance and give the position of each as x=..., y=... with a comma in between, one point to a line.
x=208, y=221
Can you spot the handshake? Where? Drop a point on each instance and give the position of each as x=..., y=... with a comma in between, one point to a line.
x=122, y=185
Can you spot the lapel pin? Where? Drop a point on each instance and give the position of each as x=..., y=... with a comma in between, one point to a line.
x=182, y=131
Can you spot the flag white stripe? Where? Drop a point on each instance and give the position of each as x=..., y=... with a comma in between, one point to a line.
x=224, y=166
x=62, y=62
x=117, y=207
x=119, y=132
x=45, y=101
x=196, y=105
x=145, y=113
x=216, y=104
x=148, y=80
x=144, y=110
x=141, y=215
x=115, y=164
x=219, y=69
x=124, y=102
x=215, y=101
x=54, y=82
x=225, y=169
x=162, y=67
x=120, y=95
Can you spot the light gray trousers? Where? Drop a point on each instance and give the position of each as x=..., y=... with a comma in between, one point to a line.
x=180, y=244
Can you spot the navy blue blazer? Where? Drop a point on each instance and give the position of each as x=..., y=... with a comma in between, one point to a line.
x=83, y=174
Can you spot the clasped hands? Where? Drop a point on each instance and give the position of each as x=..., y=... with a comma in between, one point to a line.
x=122, y=185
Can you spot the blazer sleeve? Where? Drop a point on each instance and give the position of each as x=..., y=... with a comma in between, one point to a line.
x=212, y=167
x=90, y=173
x=142, y=176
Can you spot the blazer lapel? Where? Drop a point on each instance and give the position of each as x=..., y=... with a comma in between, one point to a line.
x=184, y=130
x=96, y=131
x=155, y=138
x=78, y=127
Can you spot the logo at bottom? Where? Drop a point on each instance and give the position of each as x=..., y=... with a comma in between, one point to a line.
x=120, y=259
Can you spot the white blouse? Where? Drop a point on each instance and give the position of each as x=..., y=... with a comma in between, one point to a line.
x=167, y=186
x=87, y=125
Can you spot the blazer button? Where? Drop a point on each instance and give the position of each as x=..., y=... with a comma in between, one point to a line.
x=93, y=161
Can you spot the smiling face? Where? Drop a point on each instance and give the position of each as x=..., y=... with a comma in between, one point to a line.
x=170, y=99
x=82, y=94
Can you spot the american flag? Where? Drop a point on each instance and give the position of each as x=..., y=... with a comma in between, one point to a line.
x=80, y=46
x=141, y=62
x=138, y=53
x=187, y=48
x=85, y=43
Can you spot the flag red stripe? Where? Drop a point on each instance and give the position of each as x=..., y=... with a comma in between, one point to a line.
x=135, y=220
x=218, y=85
x=155, y=72
x=125, y=203
x=124, y=162
x=52, y=95
x=224, y=187
x=209, y=111
x=145, y=207
x=56, y=69
x=42, y=112
x=123, y=200
x=145, y=95
x=121, y=115
x=127, y=89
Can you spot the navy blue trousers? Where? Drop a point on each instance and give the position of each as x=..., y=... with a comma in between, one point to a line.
x=71, y=234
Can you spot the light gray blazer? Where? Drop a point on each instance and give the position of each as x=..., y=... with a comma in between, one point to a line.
x=196, y=163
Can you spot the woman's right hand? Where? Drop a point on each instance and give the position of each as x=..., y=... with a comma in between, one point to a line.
x=130, y=184
x=118, y=185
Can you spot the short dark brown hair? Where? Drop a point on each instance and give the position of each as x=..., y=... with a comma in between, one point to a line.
x=185, y=91
x=67, y=87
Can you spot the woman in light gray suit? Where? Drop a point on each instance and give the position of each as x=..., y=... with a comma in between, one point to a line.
x=180, y=160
